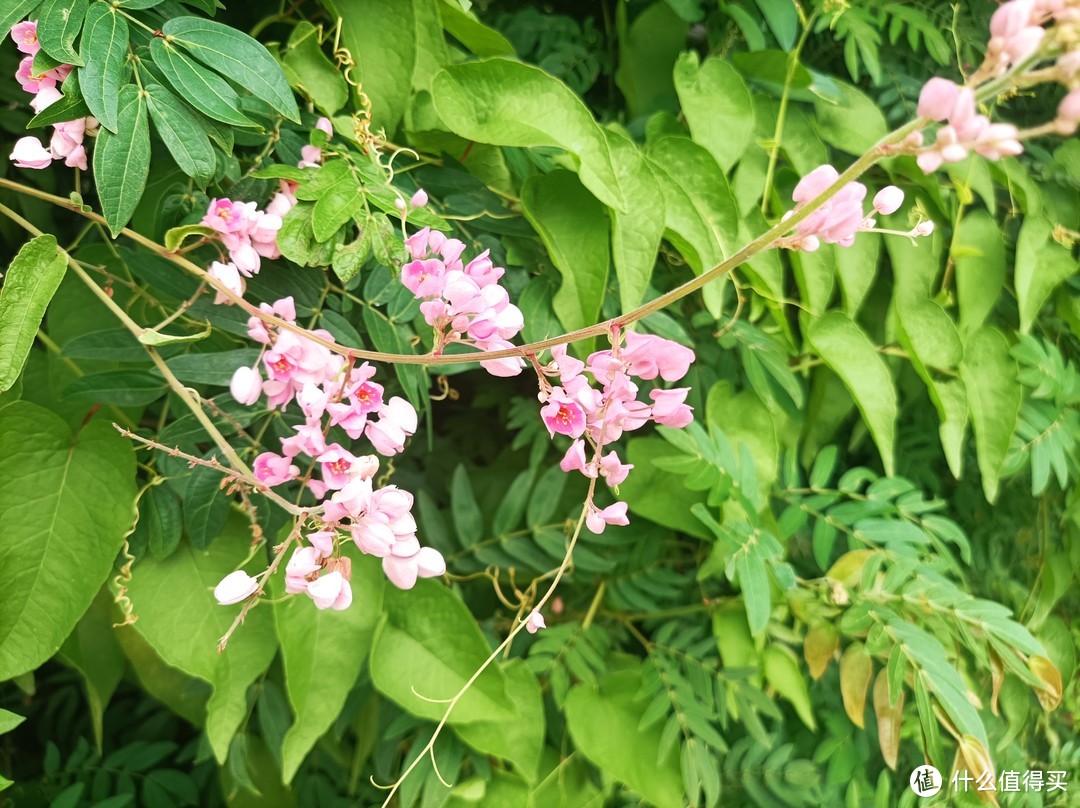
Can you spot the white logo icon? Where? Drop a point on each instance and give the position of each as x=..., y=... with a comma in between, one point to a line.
x=925, y=781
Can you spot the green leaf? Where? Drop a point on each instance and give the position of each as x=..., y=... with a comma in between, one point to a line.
x=323, y=651
x=206, y=91
x=572, y=225
x=851, y=122
x=519, y=739
x=511, y=104
x=979, y=255
x=297, y=242
x=783, y=20
x=512, y=507
x=717, y=106
x=648, y=48
x=67, y=501
x=473, y=34
x=150, y=337
x=604, y=723
x=635, y=233
x=9, y=720
x=124, y=388
x=754, y=585
x=781, y=670
x=122, y=160
x=658, y=495
x=397, y=47
x=994, y=396
x=15, y=11
x=1041, y=264
x=104, y=49
x=311, y=72
x=93, y=651
x=428, y=646
x=59, y=22
x=206, y=507
x=236, y=55
x=159, y=510
x=30, y=282
x=844, y=347
x=182, y=133
x=180, y=618
x=468, y=519
x=337, y=204
x=701, y=217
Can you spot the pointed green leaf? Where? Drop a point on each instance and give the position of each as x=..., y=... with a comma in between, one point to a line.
x=511, y=104
x=122, y=160
x=180, y=618
x=844, y=347
x=311, y=72
x=104, y=49
x=1041, y=264
x=182, y=133
x=717, y=106
x=29, y=284
x=323, y=651
x=979, y=254
x=572, y=225
x=67, y=501
x=58, y=24
x=236, y=55
x=994, y=396
x=15, y=11
x=206, y=91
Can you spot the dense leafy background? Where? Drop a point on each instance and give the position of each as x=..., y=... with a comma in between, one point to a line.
x=863, y=555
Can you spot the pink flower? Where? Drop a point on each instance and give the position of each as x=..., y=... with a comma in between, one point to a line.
x=30, y=153
x=814, y=183
x=310, y=157
x=567, y=366
x=235, y=587
x=25, y=36
x=613, y=469
x=330, y=590
x=563, y=415
x=403, y=572
x=937, y=99
x=614, y=514
x=339, y=466
x=505, y=367
x=352, y=501
x=534, y=622
x=1068, y=113
x=888, y=200
x=46, y=97
x=574, y=460
x=419, y=199
x=322, y=541
x=272, y=469
x=648, y=356
x=304, y=561
x=246, y=385
x=424, y=278
x=324, y=125
x=308, y=440
x=397, y=420
x=31, y=82
x=224, y=216
x=669, y=408
x=77, y=158
x=229, y=277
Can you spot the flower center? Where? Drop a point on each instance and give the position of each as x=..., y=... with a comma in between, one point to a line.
x=341, y=466
x=564, y=416
x=282, y=365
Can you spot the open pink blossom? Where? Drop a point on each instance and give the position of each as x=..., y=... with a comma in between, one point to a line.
x=613, y=469
x=563, y=415
x=330, y=591
x=397, y=420
x=669, y=407
x=25, y=36
x=403, y=572
x=229, y=277
x=598, y=519
x=575, y=460
x=235, y=587
x=273, y=469
x=648, y=357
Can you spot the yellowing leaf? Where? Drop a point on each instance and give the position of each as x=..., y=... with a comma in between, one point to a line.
x=890, y=718
x=856, y=668
x=1050, y=676
x=820, y=644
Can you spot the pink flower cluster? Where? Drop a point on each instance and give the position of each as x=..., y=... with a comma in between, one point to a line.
x=462, y=302
x=841, y=217
x=250, y=234
x=332, y=394
x=964, y=129
x=1016, y=31
x=599, y=416
x=67, y=139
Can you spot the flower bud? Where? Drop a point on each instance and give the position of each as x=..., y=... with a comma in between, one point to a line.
x=30, y=153
x=235, y=587
x=888, y=200
x=419, y=199
x=246, y=385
